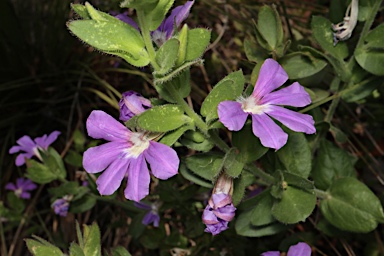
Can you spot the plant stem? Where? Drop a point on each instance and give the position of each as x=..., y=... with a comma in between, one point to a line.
x=201, y=125
x=269, y=179
x=147, y=39
x=321, y=194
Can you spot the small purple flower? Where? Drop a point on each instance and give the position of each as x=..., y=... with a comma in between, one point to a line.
x=131, y=104
x=31, y=148
x=126, y=154
x=22, y=187
x=264, y=104
x=218, y=213
x=300, y=249
x=60, y=206
x=152, y=215
x=166, y=28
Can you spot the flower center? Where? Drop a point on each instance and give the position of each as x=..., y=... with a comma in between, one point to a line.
x=159, y=37
x=18, y=192
x=250, y=105
x=140, y=142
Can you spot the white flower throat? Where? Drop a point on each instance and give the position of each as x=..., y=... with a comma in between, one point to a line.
x=140, y=142
x=250, y=105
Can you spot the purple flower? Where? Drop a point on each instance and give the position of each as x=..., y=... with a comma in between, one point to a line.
x=264, y=104
x=126, y=154
x=152, y=215
x=300, y=249
x=166, y=28
x=61, y=206
x=22, y=187
x=131, y=104
x=31, y=148
x=218, y=213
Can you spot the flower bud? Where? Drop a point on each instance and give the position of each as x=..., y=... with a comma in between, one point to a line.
x=131, y=104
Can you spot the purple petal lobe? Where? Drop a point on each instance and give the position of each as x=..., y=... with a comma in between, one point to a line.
x=10, y=186
x=151, y=217
x=29, y=185
x=100, y=125
x=124, y=18
x=271, y=76
x=110, y=180
x=300, y=249
x=269, y=133
x=295, y=121
x=220, y=200
x=232, y=115
x=98, y=158
x=25, y=195
x=208, y=216
x=163, y=160
x=226, y=213
x=178, y=15
x=14, y=149
x=131, y=104
x=20, y=159
x=138, y=180
x=26, y=143
x=142, y=206
x=271, y=253
x=217, y=228
x=45, y=141
x=293, y=95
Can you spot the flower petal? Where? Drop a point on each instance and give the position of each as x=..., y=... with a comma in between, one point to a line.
x=208, y=216
x=231, y=115
x=10, y=186
x=271, y=76
x=98, y=158
x=110, y=180
x=29, y=185
x=295, y=121
x=151, y=217
x=26, y=143
x=45, y=141
x=142, y=206
x=25, y=195
x=100, y=125
x=269, y=133
x=217, y=228
x=138, y=180
x=163, y=160
x=178, y=15
x=14, y=149
x=293, y=95
x=300, y=249
x=20, y=159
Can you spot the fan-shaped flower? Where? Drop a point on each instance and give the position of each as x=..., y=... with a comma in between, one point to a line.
x=22, y=187
x=126, y=154
x=300, y=249
x=264, y=103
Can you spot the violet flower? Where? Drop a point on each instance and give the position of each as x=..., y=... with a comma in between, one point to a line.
x=166, y=28
x=22, y=187
x=126, y=154
x=131, y=104
x=31, y=148
x=60, y=206
x=152, y=215
x=300, y=249
x=264, y=104
x=218, y=213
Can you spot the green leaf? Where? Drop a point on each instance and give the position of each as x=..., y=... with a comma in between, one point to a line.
x=248, y=144
x=16, y=203
x=300, y=65
x=296, y=155
x=229, y=88
x=120, y=251
x=74, y=158
x=253, y=51
x=157, y=15
x=75, y=250
x=183, y=39
x=239, y=186
x=91, y=236
x=352, y=206
x=204, y=146
x=41, y=247
x=198, y=41
x=181, y=82
x=269, y=26
x=194, y=178
x=244, y=227
x=166, y=56
x=295, y=205
x=171, y=137
x=362, y=90
x=81, y=11
x=298, y=181
x=331, y=164
x=39, y=173
x=147, y=5
x=163, y=118
x=112, y=36
x=83, y=204
x=206, y=165
x=322, y=31
x=232, y=166
x=54, y=162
